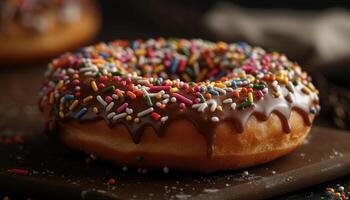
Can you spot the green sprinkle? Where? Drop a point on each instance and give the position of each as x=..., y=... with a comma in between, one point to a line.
x=148, y=100
x=259, y=86
x=244, y=104
x=201, y=97
x=109, y=89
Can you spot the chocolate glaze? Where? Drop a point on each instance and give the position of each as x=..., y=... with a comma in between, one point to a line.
x=262, y=109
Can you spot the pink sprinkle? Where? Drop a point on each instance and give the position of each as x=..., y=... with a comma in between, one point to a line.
x=123, y=83
x=167, y=63
x=111, y=181
x=122, y=107
x=76, y=82
x=182, y=98
x=101, y=85
x=116, y=78
x=108, y=99
x=159, y=88
x=197, y=88
x=197, y=100
x=185, y=86
x=182, y=106
x=128, y=80
x=260, y=94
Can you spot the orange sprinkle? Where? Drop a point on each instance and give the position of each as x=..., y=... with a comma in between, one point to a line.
x=131, y=94
x=207, y=95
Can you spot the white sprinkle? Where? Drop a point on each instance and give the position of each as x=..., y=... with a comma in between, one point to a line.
x=158, y=104
x=165, y=170
x=227, y=100
x=166, y=96
x=129, y=110
x=110, y=115
x=125, y=168
x=290, y=87
x=215, y=119
x=220, y=90
x=245, y=173
x=99, y=99
x=173, y=99
x=145, y=112
x=110, y=106
x=274, y=83
x=203, y=107
x=213, y=104
x=119, y=116
x=265, y=90
x=165, y=101
x=114, y=96
x=233, y=106
x=143, y=81
x=229, y=89
x=164, y=119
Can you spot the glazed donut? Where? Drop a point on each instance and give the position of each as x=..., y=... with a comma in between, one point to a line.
x=182, y=104
x=36, y=30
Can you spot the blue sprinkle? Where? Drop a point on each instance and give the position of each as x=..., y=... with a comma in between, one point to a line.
x=134, y=45
x=104, y=55
x=202, y=89
x=213, y=92
x=69, y=97
x=81, y=113
x=234, y=84
x=174, y=65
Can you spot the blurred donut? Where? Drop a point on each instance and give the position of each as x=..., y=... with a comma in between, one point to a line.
x=32, y=30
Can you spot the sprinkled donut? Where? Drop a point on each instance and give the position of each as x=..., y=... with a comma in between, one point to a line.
x=181, y=104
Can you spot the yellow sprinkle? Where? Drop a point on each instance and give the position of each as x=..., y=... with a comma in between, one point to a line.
x=87, y=99
x=74, y=104
x=219, y=108
x=174, y=89
x=94, y=86
x=277, y=94
x=137, y=120
x=158, y=96
x=95, y=109
x=61, y=114
x=250, y=97
x=52, y=98
x=59, y=84
x=241, y=75
x=129, y=118
x=140, y=52
x=192, y=59
x=305, y=90
x=220, y=85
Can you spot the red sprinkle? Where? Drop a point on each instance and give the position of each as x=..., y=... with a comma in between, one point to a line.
x=111, y=181
x=159, y=88
x=155, y=116
x=18, y=171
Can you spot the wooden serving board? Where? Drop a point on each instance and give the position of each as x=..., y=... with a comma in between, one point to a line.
x=56, y=172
